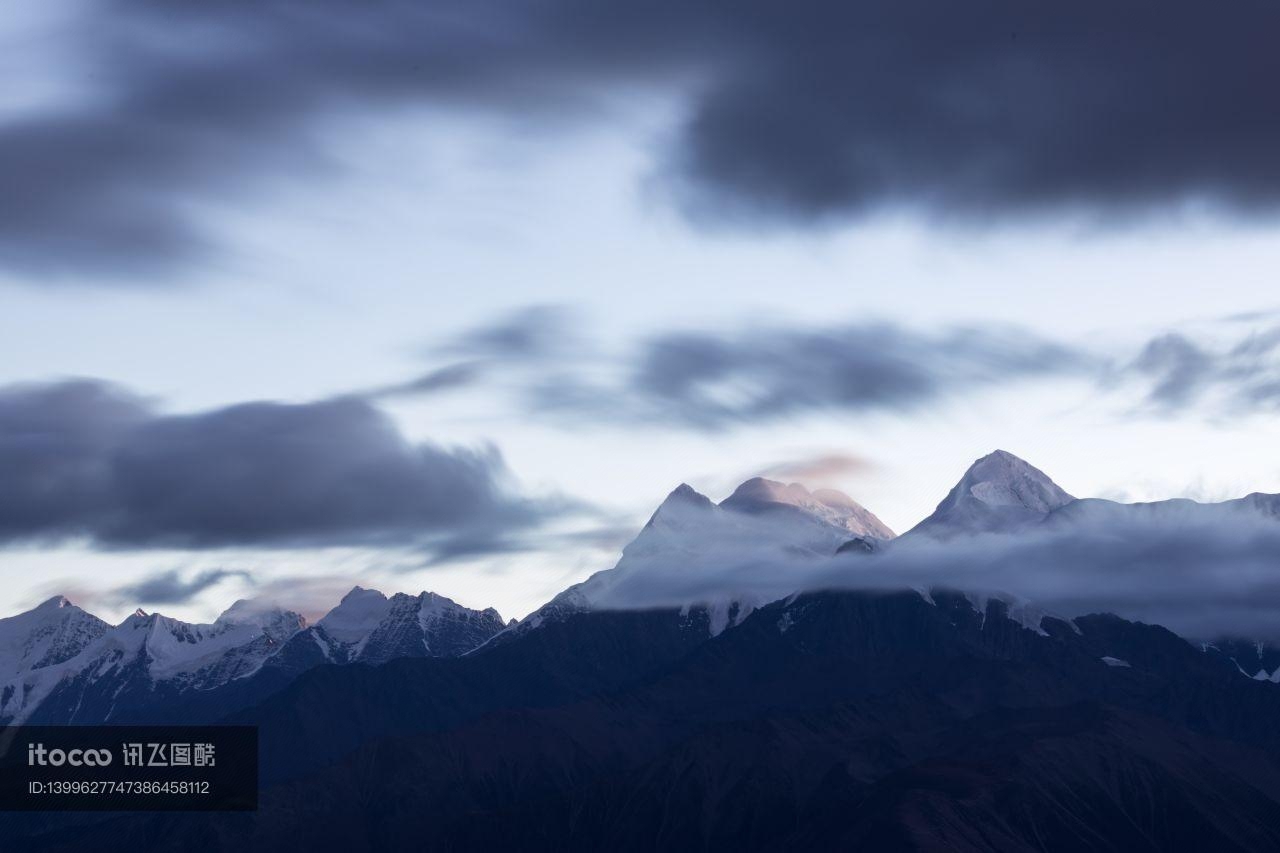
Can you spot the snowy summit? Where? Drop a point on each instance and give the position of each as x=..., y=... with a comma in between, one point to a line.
x=999, y=493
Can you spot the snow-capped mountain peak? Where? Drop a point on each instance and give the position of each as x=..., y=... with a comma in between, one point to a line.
x=54, y=631
x=762, y=520
x=1002, y=479
x=60, y=663
x=681, y=518
x=683, y=502
x=370, y=627
x=356, y=616
x=273, y=621
x=999, y=493
x=427, y=624
x=765, y=512
x=760, y=490
x=235, y=644
x=835, y=508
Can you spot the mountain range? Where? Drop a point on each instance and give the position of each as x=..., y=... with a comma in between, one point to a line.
x=63, y=665
x=60, y=664
x=901, y=719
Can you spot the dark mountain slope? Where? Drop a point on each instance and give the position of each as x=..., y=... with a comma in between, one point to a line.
x=830, y=721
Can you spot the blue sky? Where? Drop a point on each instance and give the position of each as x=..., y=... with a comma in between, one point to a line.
x=359, y=230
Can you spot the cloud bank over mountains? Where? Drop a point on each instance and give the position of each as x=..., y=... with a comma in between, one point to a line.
x=795, y=115
x=86, y=459
x=89, y=461
x=1006, y=531
x=1199, y=576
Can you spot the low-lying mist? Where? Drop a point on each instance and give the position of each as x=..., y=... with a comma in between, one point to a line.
x=1202, y=571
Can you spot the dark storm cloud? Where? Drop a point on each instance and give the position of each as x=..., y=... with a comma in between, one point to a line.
x=713, y=380
x=992, y=109
x=56, y=447
x=204, y=102
x=170, y=588
x=795, y=112
x=84, y=459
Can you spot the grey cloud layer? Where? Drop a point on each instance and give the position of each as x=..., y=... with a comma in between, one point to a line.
x=717, y=379
x=83, y=458
x=1201, y=571
x=992, y=108
x=795, y=112
x=170, y=588
x=1183, y=371
x=708, y=380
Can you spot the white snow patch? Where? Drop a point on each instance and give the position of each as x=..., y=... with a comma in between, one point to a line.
x=1018, y=609
x=355, y=617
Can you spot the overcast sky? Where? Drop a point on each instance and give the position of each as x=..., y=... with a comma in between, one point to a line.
x=449, y=296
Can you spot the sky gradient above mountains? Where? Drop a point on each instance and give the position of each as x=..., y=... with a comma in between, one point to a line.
x=442, y=297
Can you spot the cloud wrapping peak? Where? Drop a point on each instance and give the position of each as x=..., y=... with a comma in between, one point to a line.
x=1201, y=570
x=90, y=460
x=796, y=113
x=819, y=468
